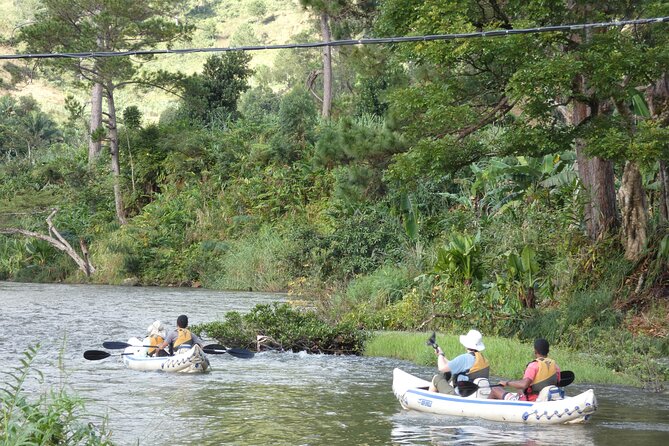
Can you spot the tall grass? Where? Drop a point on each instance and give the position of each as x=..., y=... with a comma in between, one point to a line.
x=52, y=418
x=255, y=262
x=508, y=357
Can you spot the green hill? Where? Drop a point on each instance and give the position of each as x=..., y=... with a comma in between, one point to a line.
x=219, y=24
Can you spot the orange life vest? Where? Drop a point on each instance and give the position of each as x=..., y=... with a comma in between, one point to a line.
x=154, y=341
x=546, y=376
x=183, y=337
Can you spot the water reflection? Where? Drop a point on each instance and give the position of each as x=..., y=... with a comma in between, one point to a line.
x=277, y=399
x=408, y=429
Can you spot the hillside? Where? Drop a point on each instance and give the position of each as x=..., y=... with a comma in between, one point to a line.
x=219, y=24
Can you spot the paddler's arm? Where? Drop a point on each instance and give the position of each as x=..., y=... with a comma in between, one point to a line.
x=442, y=361
x=521, y=384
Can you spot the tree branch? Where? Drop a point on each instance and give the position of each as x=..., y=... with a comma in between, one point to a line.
x=57, y=241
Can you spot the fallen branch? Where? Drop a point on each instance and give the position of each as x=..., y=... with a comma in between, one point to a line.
x=56, y=240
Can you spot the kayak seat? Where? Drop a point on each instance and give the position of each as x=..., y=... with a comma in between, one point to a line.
x=550, y=393
x=484, y=387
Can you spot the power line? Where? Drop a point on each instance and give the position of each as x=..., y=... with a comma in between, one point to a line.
x=349, y=42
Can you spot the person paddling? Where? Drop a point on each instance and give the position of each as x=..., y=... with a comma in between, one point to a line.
x=155, y=337
x=465, y=367
x=540, y=373
x=181, y=338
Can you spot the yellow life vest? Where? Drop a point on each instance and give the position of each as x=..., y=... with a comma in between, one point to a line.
x=155, y=341
x=480, y=369
x=183, y=337
x=546, y=376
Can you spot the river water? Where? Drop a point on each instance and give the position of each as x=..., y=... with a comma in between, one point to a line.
x=274, y=398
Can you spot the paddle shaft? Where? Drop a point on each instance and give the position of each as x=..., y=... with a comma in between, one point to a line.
x=213, y=349
x=566, y=378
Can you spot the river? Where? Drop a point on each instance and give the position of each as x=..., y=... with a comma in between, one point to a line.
x=274, y=398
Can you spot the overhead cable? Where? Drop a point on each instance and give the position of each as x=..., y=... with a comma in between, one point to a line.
x=347, y=42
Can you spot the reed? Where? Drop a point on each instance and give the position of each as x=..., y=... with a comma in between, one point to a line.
x=508, y=357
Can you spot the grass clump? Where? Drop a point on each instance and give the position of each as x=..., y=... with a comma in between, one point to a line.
x=54, y=418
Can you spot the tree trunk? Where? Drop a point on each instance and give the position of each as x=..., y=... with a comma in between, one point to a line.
x=597, y=177
x=327, y=66
x=113, y=148
x=94, y=144
x=664, y=191
x=598, y=181
x=657, y=98
x=634, y=210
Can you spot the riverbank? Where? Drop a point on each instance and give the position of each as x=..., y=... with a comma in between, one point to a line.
x=508, y=357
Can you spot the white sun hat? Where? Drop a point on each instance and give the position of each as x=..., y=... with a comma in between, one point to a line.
x=473, y=340
x=156, y=328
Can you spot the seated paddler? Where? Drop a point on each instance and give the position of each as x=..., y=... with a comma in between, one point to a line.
x=155, y=336
x=181, y=339
x=465, y=367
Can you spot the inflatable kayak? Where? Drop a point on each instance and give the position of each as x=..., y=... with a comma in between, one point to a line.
x=192, y=360
x=412, y=393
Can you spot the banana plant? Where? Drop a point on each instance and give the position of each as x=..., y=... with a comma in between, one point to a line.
x=524, y=268
x=460, y=258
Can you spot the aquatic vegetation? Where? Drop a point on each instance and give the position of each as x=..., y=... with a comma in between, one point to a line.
x=52, y=418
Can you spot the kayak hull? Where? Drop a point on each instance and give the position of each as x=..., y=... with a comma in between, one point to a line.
x=193, y=360
x=412, y=393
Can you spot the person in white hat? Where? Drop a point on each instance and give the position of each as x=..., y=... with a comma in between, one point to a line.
x=155, y=337
x=466, y=367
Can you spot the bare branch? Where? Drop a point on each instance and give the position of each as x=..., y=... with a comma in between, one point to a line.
x=57, y=241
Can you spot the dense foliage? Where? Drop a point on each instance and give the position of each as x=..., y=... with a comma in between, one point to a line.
x=515, y=184
x=280, y=327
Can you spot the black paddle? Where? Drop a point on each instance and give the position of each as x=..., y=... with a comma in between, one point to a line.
x=236, y=352
x=94, y=355
x=432, y=341
x=566, y=378
x=213, y=349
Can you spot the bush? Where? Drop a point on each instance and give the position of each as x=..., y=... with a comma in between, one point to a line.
x=361, y=243
x=288, y=328
x=381, y=288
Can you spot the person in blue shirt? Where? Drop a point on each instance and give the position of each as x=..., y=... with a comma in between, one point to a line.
x=465, y=367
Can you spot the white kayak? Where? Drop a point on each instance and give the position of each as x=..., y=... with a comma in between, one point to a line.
x=413, y=394
x=192, y=360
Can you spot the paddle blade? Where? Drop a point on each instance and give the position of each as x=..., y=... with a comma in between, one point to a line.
x=115, y=345
x=241, y=353
x=566, y=378
x=215, y=349
x=94, y=355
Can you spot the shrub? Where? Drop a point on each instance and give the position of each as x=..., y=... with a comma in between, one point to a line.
x=288, y=328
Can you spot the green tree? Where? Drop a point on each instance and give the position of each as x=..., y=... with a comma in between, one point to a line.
x=216, y=90
x=550, y=91
x=24, y=127
x=103, y=26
